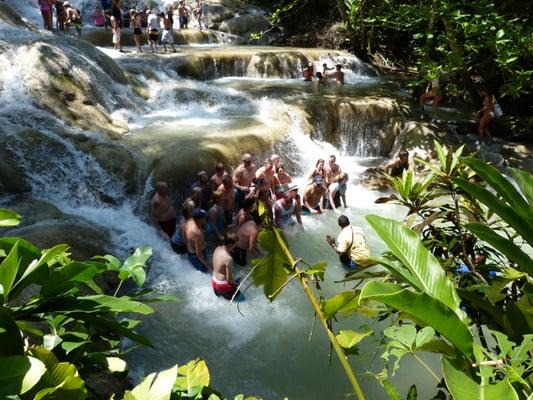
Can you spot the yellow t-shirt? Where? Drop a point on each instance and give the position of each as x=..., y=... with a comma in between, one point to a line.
x=353, y=239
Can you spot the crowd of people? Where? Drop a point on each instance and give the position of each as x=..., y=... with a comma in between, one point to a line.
x=222, y=210
x=66, y=15
x=322, y=77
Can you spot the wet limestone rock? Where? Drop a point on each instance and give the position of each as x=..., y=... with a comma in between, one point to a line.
x=12, y=176
x=245, y=25
x=9, y=16
x=32, y=210
x=215, y=14
x=76, y=82
x=84, y=238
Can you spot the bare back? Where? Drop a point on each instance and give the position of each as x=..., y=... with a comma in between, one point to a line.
x=194, y=237
x=247, y=236
x=222, y=264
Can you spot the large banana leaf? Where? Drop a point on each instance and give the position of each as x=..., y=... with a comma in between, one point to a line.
x=424, y=309
x=154, y=386
x=509, y=214
x=426, y=271
x=505, y=246
x=462, y=387
x=500, y=184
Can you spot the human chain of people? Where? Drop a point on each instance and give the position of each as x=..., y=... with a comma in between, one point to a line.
x=222, y=210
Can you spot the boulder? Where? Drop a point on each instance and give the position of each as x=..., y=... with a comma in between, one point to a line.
x=10, y=16
x=12, y=176
x=215, y=14
x=32, y=210
x=84, y=238
x=245, y=25
x=518, y=155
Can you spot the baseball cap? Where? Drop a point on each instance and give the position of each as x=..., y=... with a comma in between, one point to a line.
x=317, y=179
x=199, y=213
x=293, y=187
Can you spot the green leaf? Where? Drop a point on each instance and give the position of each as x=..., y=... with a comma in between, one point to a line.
x=427, y=272
x=500, y=33
x=269, y=271
x=8, y=271
x=11, y=343
x=424, y=336
x=115, y=364
x=134, y=265
x=51, y=341
x=503, y=245
x=117, y=304
x=18, y=374
x=525, y=181
x=193, y=377
x=61, y=379
x=344, y=302
x=47, y=257
x=67, y=278
x=391, y=390
x=348, y=338
x=423, y=309
x=317, y=269
x=462, y=387
x=412, y=393
x=9, y=218
x=404, y=334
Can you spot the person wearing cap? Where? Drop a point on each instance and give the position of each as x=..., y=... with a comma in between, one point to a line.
x=194, y=238
x=223, y=283
x=203, y=182
x=398, y=165
x=275, y=161
x=243, y=176
x=162, y=211
x=308, y=73
x=337, y=191
x=266, y=172
x=282, y=180
x=313, y=195
x=351, y=245
x=247, y=235
x=286, y=207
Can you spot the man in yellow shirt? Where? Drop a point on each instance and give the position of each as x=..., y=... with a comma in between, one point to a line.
x=351, y=245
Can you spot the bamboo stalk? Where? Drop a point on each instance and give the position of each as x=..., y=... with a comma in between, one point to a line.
x=314, y=302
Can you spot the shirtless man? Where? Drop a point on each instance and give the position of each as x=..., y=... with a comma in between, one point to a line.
x=313, y=195
x=266, y=172
x=332, y=170
x=308, y=73
x=216, y=179
x=242, y=178
x=203, y=182
x=338, y=74
x=168, y=31
x=194, y=238
x=162, y=211
x=246, y=242
x=276, y=161
x=227, y=197
x=223, y=283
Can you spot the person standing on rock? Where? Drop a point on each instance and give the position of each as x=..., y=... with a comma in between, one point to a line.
x=162, y=212
x=487, y=115
x=183, y=15
x=152, y=30
x=168, y=30
x=243, y=177
x=136, y=25
x=117, y=32
x=117, y=13
x=46, y=12
x=433, y=92
x=198, y=13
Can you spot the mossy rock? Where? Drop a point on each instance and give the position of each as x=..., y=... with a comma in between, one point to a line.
x=12, y=176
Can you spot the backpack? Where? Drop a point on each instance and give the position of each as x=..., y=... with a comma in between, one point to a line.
x=498, y=112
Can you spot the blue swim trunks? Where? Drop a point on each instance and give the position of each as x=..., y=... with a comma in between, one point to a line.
x=196, y=263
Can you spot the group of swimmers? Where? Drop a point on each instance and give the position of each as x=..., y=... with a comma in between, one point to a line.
x=223, y=209
x=66, y=15
x=337, y=74
x=155, y=22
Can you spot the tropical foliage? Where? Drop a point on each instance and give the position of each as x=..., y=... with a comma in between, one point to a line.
x=456, y=280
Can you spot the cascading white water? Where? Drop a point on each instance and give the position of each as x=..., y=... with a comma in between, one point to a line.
x=263, y=349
